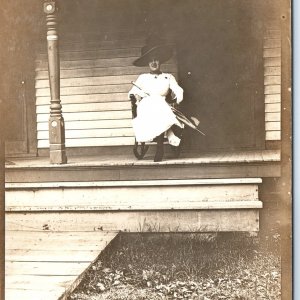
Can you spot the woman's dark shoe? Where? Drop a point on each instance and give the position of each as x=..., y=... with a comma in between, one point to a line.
x=159, y=154
x=176, y=150
x=159, y=148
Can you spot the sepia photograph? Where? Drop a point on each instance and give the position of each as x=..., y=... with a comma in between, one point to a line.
x=146, y=149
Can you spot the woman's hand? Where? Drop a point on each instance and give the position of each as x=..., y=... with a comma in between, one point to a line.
x=138, y=98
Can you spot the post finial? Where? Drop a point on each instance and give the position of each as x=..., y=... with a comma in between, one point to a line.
x=50, y=7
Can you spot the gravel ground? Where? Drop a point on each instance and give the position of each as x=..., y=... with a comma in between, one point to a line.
x=185, y=266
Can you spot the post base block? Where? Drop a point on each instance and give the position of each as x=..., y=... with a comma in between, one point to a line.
x=57, y=140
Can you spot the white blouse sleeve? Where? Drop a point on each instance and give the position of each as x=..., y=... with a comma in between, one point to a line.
x=136, y=91
x=177, y=90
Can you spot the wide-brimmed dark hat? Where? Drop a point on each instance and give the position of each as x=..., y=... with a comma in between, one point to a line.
x=154, y=47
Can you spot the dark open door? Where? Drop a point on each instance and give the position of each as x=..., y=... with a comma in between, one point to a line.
x=16, y=127
x=221, y=70
x=19, y=107
x=18, y=36
x=220, y=61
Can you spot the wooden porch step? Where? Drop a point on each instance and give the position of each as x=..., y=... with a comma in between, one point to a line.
x=134, y=195
x=188, y=220
x=136, y=206
x=111, y=167
x=127, y=183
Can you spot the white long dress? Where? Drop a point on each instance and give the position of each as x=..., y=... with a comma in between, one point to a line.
x=154, y=115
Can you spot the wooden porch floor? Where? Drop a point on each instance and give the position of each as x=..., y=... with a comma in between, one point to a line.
x=127, y=159
x=48, y=264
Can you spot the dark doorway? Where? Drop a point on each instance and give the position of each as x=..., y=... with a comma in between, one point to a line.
x=220, y=61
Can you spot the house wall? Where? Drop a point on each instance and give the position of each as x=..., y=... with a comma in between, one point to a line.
x=95, y=79
x=272, y=80
x=223, y=81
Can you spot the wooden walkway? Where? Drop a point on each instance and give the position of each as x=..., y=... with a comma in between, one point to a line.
x=49, y=264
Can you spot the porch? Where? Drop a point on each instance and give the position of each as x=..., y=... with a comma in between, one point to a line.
x=197, y=192
x=60, y=217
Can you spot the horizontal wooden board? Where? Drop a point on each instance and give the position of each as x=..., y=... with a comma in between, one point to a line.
x=272, y=32
x=95, y=124
x=103, y=44
x=126, y=183
x=272, y=89
x=273, y=98
x=273, y=107
x=142, y=221
x=272, y=61
x=269, y=80
x=104, y=89
x=91, y=133
x=54, y=255
x=87, y=107
x=44, y=268
x=107, y=33
x=272, y=126
x=13, y=294
x=59, y=244
x=94, y=63
x=111, y=71
x=272, y=71
x=272, y=43
x=38, y=283
x=26, y=241
x=89, y=81
x=272, y=116
x=90, y=142
x=130, y=197
x=84, y=44
x=94, y=54
x=272, y=52
x=273, y=135
x=102, y=115
x=216, y=205
x=88, y=98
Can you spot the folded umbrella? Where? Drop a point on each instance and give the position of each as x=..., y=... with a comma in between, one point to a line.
x=179, y=115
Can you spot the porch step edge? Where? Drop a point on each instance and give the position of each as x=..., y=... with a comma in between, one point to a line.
x=218, y=205
x=125, y=183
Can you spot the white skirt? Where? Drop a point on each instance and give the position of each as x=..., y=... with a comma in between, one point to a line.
x=154, y=116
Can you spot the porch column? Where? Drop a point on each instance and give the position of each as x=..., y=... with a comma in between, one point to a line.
x=56, y=120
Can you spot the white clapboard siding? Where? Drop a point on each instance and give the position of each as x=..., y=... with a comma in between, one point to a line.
x=95, y=79
x=90, y=124
x=82, y=72
x=272, y=117
x=88, y=81
x=91, y=142
x=89, y=98
x=81, y=116
x=86, y=107
x=94, y=54
x=272, y=81
x=91, y=63
x=91, y=133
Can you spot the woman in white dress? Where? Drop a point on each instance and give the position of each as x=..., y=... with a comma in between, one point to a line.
x=154, y=115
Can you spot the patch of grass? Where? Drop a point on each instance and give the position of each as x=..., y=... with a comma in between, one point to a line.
x=185, y=266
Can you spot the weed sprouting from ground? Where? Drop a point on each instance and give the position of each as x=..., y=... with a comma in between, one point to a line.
x=185, y=266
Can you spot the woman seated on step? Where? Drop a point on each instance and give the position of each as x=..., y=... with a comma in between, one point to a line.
x=154, y=115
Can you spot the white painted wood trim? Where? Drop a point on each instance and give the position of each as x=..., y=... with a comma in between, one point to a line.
x=143, y=206
x=169, y=182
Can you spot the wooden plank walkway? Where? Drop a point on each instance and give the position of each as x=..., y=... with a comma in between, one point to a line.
x=49, y=264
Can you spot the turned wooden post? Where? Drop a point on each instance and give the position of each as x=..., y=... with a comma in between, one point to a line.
x=56, y=120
